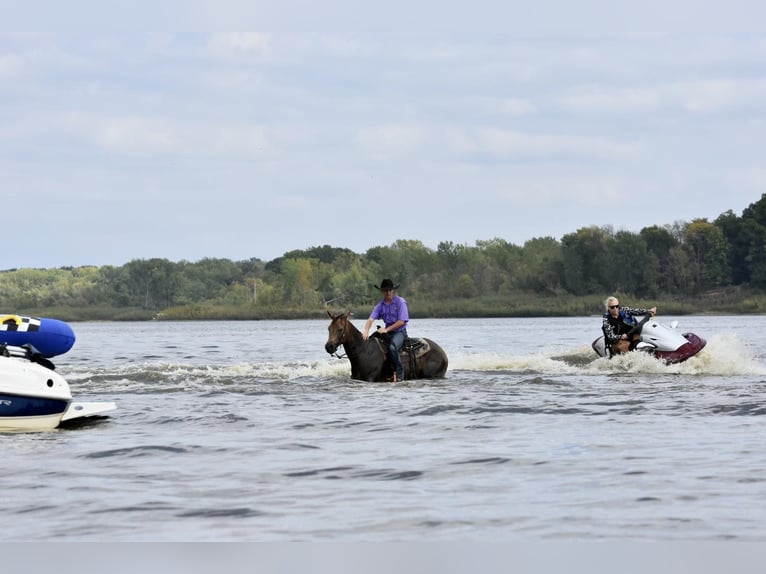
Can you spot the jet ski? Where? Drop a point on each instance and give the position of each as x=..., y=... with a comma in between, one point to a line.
x=33, y=396
x=664, y=342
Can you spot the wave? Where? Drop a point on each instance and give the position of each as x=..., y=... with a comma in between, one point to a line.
x=171, y=377
x=724, y=355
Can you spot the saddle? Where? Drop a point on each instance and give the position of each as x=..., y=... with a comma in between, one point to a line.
x=412, y=349
x=415, y=347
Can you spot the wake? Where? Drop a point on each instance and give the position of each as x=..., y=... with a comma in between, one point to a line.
x=724, y=355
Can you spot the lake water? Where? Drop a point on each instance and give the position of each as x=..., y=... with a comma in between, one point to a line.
x=249, y=431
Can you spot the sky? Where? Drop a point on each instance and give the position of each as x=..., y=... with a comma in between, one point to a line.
x=358, y=124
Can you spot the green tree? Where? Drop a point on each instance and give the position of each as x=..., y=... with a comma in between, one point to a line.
x=541, y=267
x=756, y=255
x=501, y=264
x=405, y=261
x=152, y=282
x=465, y=286
x=680, y=274
x=350, y=285
x=586, y=265
x=659, y=242
x=706, y=246
x=630, y=262
x=756, y=211
x=739, y=234
x=299, y=282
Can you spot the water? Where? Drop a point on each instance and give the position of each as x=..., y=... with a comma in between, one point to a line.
x=249, y=431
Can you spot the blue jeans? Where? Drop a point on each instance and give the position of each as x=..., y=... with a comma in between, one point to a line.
x=395, y=344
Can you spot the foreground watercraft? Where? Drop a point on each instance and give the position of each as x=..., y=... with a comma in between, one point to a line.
x=33, y=396
x=662, y=341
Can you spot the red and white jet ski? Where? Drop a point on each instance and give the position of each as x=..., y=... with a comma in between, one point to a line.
x=664, y=342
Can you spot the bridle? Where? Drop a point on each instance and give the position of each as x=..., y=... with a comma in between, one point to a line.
x=341, y=340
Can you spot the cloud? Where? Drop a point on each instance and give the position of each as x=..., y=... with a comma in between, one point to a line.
x=701, y=96
x=144, y=136
x=494, y=133
x=486, y=143
x=10, y=65
x=751, y=182
x=344, y=46
x=385, y=141
x=718, y=94
x=235, y=44
x=608, y=99
x=510, y=144
x=566, y=187
x=518, y=107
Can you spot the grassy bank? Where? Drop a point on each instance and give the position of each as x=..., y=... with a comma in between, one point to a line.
x=725, y=301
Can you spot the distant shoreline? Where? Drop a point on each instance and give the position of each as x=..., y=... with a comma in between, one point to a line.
x=729, y=302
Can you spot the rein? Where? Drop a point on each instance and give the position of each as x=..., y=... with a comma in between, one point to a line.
x=342, y=339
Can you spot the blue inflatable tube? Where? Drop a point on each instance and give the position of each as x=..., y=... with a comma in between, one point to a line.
x=50, y=337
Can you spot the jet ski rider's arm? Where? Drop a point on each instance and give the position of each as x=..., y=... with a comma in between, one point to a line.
x=609, y=333
x=640, y=311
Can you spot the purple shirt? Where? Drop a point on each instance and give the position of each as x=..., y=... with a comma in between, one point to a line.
x=392, y=313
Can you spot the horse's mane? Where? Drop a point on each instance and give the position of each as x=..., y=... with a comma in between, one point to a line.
x=354, y=332
x=347, y=319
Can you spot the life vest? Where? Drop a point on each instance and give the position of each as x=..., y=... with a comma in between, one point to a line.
x=622, y=323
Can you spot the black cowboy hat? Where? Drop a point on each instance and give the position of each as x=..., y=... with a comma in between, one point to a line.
x=387, y=284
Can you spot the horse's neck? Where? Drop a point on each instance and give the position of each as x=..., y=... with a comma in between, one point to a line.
x=353, y=336
x=366, y=357
x=355, y=345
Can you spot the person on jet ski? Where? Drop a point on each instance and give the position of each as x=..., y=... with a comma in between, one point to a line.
x=617, y=322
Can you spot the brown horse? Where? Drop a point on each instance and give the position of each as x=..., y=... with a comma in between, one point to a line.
x=422, y=360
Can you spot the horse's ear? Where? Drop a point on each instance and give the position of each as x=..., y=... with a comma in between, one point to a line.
x=330, y=314
x=347, y=315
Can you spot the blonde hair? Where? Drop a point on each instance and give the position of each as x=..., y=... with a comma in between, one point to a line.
x=612, y=301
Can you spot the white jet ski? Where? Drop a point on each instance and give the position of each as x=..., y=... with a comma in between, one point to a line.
x=664, y=342
x=35, y=397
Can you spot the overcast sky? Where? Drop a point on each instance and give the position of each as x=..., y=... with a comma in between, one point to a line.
x=120, y=143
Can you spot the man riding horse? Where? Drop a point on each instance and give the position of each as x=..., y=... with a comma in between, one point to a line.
x=369, y=358
x=392, y=309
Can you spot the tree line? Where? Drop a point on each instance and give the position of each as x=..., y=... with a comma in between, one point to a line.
x=492, y=277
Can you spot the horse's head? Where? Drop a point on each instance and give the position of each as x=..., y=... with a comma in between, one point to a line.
x=338, y=330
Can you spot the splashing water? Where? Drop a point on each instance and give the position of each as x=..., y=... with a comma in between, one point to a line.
x=724, y=355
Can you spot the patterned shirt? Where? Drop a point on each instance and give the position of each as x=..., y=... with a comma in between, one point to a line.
x=615, y=327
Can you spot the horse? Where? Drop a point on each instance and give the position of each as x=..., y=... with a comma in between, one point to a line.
x=421, y=358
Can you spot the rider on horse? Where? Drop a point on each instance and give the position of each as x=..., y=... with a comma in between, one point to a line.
x=392, y=309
